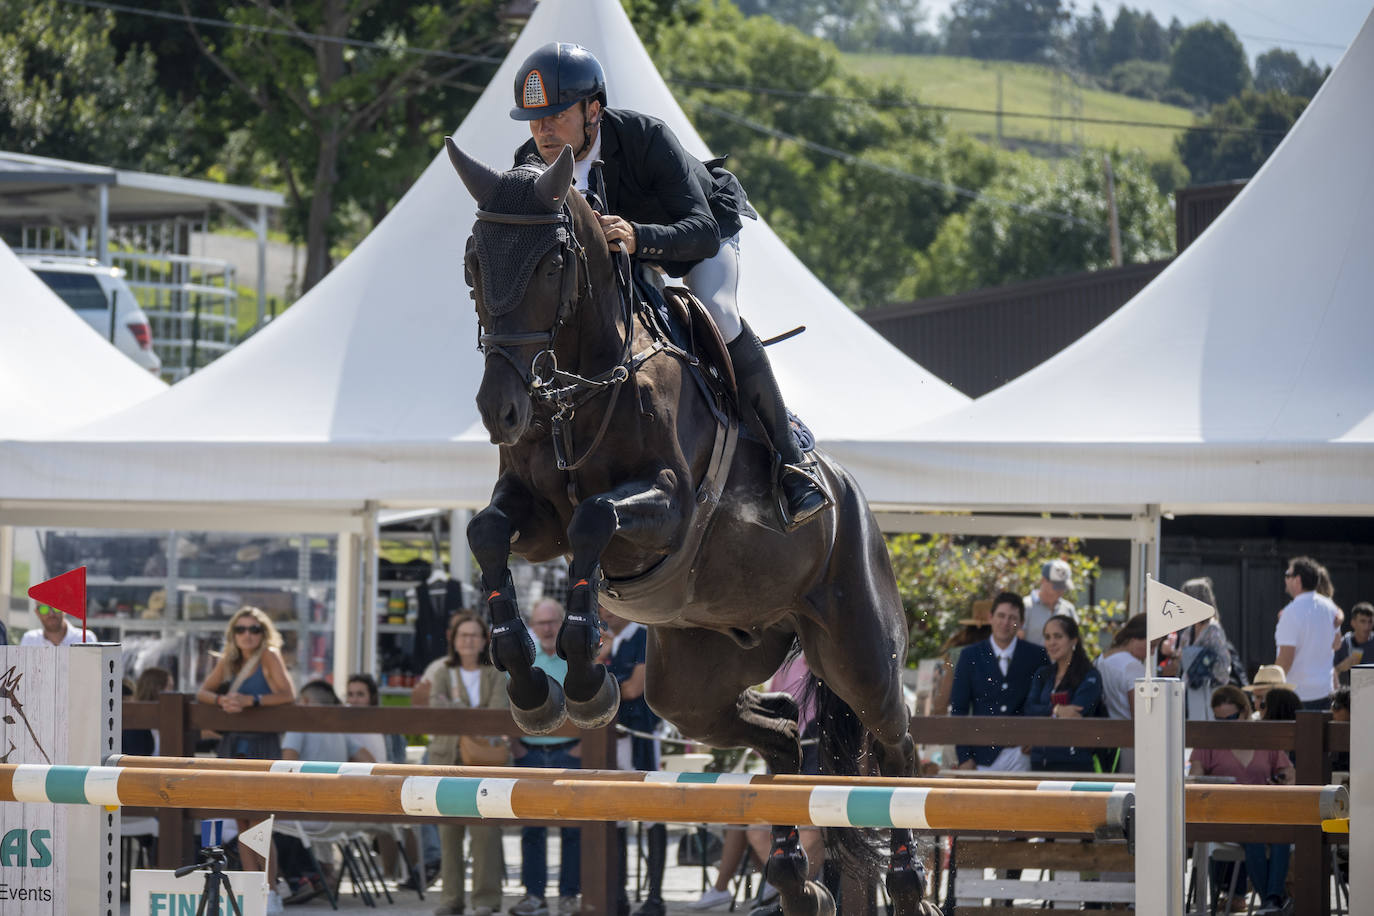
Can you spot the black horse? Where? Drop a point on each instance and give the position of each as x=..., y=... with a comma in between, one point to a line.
x=612, y=456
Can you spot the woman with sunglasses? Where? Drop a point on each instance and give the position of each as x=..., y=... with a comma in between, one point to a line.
x=249, y=674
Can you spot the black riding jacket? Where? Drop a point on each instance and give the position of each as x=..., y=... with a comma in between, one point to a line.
x=680, y=208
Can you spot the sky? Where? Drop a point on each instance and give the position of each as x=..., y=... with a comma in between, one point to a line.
x=1317, y=29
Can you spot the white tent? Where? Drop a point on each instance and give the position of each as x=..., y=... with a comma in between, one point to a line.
x=55, y=370
x=1238, y=382
x=364, y=389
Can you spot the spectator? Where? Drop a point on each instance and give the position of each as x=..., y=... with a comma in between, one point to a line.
x=1266, y=863
x=972, y=629
x=1267, y=678
x=249, y=674
x=362, y=691
x=1230, y=704
x=143, y=742
x=296, y=864
x=1304, y=635
x=1120, y=667
x=1356, y=645
x=1068, y=687
x=628, y=653
x=4, y=635
x=53, y=630
x=1280, y=704
x=562, y=753
x=992, y=678
x=1203, y=652
x=1340, y=712
x=465, y=678
x=1048, y=599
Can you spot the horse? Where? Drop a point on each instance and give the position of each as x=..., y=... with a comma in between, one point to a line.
x=611, y=456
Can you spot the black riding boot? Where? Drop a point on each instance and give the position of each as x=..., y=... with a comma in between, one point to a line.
x=759, y=393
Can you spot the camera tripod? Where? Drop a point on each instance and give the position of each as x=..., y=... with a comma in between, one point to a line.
x=213, y=861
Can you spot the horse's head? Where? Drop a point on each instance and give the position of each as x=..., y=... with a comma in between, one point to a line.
x=528, y=271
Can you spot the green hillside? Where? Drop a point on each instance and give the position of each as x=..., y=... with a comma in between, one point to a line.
x=968, y=83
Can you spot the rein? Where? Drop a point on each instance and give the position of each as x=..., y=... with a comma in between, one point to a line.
x=544, y=381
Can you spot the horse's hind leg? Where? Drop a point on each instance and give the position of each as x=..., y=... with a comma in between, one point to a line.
x=644, y=511
x=536, y=700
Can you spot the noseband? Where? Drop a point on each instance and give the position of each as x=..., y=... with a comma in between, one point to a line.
x=544, y=380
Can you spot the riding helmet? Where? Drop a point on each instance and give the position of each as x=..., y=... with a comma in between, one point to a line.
x=554, y=78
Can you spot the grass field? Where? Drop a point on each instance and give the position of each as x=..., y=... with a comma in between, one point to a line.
x=967, y=83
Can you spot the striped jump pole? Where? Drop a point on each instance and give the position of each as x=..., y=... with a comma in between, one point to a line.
x=570, y=799
x=1206, y=804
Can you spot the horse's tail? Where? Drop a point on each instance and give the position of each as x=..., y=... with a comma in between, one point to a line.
x=841, y=741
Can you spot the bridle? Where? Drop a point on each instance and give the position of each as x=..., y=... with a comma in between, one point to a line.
x=544, y=381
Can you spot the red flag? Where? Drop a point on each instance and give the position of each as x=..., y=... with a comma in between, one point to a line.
x=66, y=593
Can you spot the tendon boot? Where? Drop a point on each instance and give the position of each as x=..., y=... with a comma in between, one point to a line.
x=802, y=495
x=536, y=701
x=593, y=693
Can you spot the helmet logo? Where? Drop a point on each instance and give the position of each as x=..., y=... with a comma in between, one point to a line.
x=534, y=91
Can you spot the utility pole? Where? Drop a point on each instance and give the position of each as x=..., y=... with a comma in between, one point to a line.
x=1115, y=223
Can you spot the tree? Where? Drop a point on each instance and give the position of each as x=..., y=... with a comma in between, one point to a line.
x=1039, y=219
x=1284, y=71
x=1209, y=62
x=1260, y=119
x=1139, y=79
x=1021, y=30
x=1124, y=42
x=331, y=77
x=1089, y=41
x=940, y=576
x=1154, y=41
x=66, y=93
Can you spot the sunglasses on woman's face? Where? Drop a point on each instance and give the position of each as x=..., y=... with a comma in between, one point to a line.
x=1233, y=716
x=255, y=629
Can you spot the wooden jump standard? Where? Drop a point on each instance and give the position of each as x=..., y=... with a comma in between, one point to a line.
x=570, y=799
x=1205, y=804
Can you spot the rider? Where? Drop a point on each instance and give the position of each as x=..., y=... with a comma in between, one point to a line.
x=666, y=207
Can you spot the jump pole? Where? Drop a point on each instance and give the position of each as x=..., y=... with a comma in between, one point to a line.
x=1206, y=804
x=576, y=800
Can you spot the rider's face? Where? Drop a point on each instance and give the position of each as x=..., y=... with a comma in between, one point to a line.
x=566, y=128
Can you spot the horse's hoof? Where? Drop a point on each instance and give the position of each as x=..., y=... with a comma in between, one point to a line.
x=546, y=717
x=600, y=710
x=824, y=903
x=906, y=888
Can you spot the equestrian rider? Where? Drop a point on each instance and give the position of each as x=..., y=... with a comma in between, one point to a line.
x=667, y=208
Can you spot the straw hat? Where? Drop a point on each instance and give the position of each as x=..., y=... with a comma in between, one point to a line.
x=1269, y=677
x=982, y=614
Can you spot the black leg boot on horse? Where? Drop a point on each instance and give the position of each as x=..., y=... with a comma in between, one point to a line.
x=593, y=693
x=536, y=700
x=803, y=497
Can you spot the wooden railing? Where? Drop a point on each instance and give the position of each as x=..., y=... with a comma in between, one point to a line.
x=178, y=720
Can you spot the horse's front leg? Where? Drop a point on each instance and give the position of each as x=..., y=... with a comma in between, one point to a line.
x=536, y=700
x=648, y=512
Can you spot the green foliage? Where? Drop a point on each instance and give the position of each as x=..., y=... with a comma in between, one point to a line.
x=1213, y=156
x=800, y=189
x=853, y=25
x=66, y=93
x=1021, y=30
x=1209, y=62
x=993, y=243
x=1139, y=79
x=940, y=576
x=1283, y=71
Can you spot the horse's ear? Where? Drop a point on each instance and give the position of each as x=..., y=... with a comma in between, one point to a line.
x=551, y=188
x=479, y=177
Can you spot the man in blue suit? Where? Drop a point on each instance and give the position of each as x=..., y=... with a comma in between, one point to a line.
x=992, y=679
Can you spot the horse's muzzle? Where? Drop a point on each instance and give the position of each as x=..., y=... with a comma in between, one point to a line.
x=504, y=404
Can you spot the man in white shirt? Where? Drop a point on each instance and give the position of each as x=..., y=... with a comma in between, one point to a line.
x=1048, y=599
x=1306, y=628
x=54, y=630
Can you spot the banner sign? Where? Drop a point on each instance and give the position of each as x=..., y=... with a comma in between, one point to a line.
x=161, y=893
x=59, y=705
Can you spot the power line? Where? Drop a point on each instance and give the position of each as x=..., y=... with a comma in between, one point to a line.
x=285, y=33
x=851, y=159
x=958, y=109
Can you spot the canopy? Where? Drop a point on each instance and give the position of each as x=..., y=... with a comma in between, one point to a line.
x=55, y=370
x=364, y=389
x=1238, y=381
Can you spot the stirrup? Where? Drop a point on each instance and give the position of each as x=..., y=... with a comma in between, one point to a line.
x=809, y=470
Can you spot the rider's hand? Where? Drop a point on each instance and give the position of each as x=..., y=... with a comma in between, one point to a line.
x=618, y=230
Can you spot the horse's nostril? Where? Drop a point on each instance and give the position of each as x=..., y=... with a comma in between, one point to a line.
x=509, y=419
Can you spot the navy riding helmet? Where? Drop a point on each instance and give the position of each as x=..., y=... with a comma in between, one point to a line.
x=554, y=78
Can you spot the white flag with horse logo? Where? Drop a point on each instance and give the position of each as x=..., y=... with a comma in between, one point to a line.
x=1168, y=610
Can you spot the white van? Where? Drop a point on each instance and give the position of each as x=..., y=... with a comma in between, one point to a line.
x=98, y=293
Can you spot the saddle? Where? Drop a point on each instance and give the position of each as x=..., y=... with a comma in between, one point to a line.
x=674, y=316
